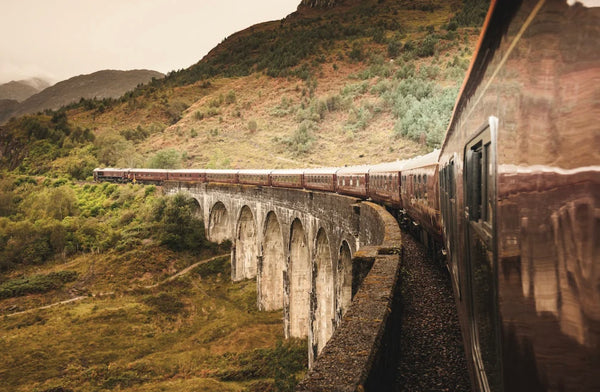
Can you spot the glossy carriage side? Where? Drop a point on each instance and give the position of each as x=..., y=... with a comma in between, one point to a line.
x=321, y=179
x=384, y=183
x=520, y=191
x=147, y=176
x=222, y=176
x=255, y=177
x=420, y=195
x=353, y=180
x=292, y=178
x=187, y=175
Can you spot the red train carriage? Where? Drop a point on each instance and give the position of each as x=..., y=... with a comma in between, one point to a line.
x=147, y=176
x=321, y=179
x=384, y=183
x=520, y=199
x=285, y=178
x=222, y=176
x=187, y=175
x=255, y=177
x=353, y=180
x=420, y=193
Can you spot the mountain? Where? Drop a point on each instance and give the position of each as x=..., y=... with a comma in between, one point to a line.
x=101, y=84
x=335, y=83
x=20, y=90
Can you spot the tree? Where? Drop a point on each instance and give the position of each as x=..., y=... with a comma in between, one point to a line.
x=178, y=227
x=111, y=147
x=166, y=159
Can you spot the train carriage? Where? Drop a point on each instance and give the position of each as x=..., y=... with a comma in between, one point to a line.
x=520, y=195
x=187, y=175
x=321, y=179
x=288, y=178
x=147, y=176
x=255, y=177
x=420, y=194
x=384, y=183
x=226, y=176
x=353, y=180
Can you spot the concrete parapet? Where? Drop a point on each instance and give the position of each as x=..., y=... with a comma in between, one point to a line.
x=356, y=348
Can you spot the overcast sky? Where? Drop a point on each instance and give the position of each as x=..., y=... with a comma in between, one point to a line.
x=58, y=39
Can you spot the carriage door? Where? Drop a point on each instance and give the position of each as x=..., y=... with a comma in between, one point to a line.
x=480, y=196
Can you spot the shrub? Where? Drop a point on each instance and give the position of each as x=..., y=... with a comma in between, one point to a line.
x=356, y=53
x=394, y=48
x=36, y=284
x=472, y=14
x=230, y=97
x=252, y=126
x=302, y=140
x=426, y=48
x=165, y=303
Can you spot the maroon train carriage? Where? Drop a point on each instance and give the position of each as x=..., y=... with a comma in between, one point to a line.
x=287, y=178
x=353, y=180
x=384, y=183
x=520, y=180
x=222, y=176
x=111, y=174
x=420, y=193
x=147, y=176
x=255, y=177
x=187, y=175
x=321, y=179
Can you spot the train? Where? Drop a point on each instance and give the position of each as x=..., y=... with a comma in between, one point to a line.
x=380, y=183
x=511, y=200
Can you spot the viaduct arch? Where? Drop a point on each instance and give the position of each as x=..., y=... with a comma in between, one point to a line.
x=297, y=244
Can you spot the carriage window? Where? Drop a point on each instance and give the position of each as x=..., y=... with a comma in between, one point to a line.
x=475, y=186
x=450, y=180
x=480, y=186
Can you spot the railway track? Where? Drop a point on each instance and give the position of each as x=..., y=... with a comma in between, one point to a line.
x=431, y=351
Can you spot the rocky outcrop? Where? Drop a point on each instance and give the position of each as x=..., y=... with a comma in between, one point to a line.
x=320, y=3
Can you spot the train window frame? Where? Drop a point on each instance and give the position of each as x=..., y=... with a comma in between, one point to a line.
x=479, y=168
x=482, y=227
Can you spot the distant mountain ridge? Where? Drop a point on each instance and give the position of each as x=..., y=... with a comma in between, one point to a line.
x=320, y=3
x=100, y=84
x=20, y=90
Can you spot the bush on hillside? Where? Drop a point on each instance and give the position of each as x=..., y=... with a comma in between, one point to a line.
x=36, y=284
x=177, y=225
x=472, y=14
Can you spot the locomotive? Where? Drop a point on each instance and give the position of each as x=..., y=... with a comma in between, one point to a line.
x=512, y=197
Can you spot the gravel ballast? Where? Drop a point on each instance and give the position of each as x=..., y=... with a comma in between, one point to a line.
x=432, y=356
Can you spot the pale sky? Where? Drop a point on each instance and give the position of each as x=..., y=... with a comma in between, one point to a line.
x=58, y=39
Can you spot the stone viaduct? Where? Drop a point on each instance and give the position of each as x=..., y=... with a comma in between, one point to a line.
x=303, y=248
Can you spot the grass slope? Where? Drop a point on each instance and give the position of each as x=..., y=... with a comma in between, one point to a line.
x=111, y=250
x=199, y=331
